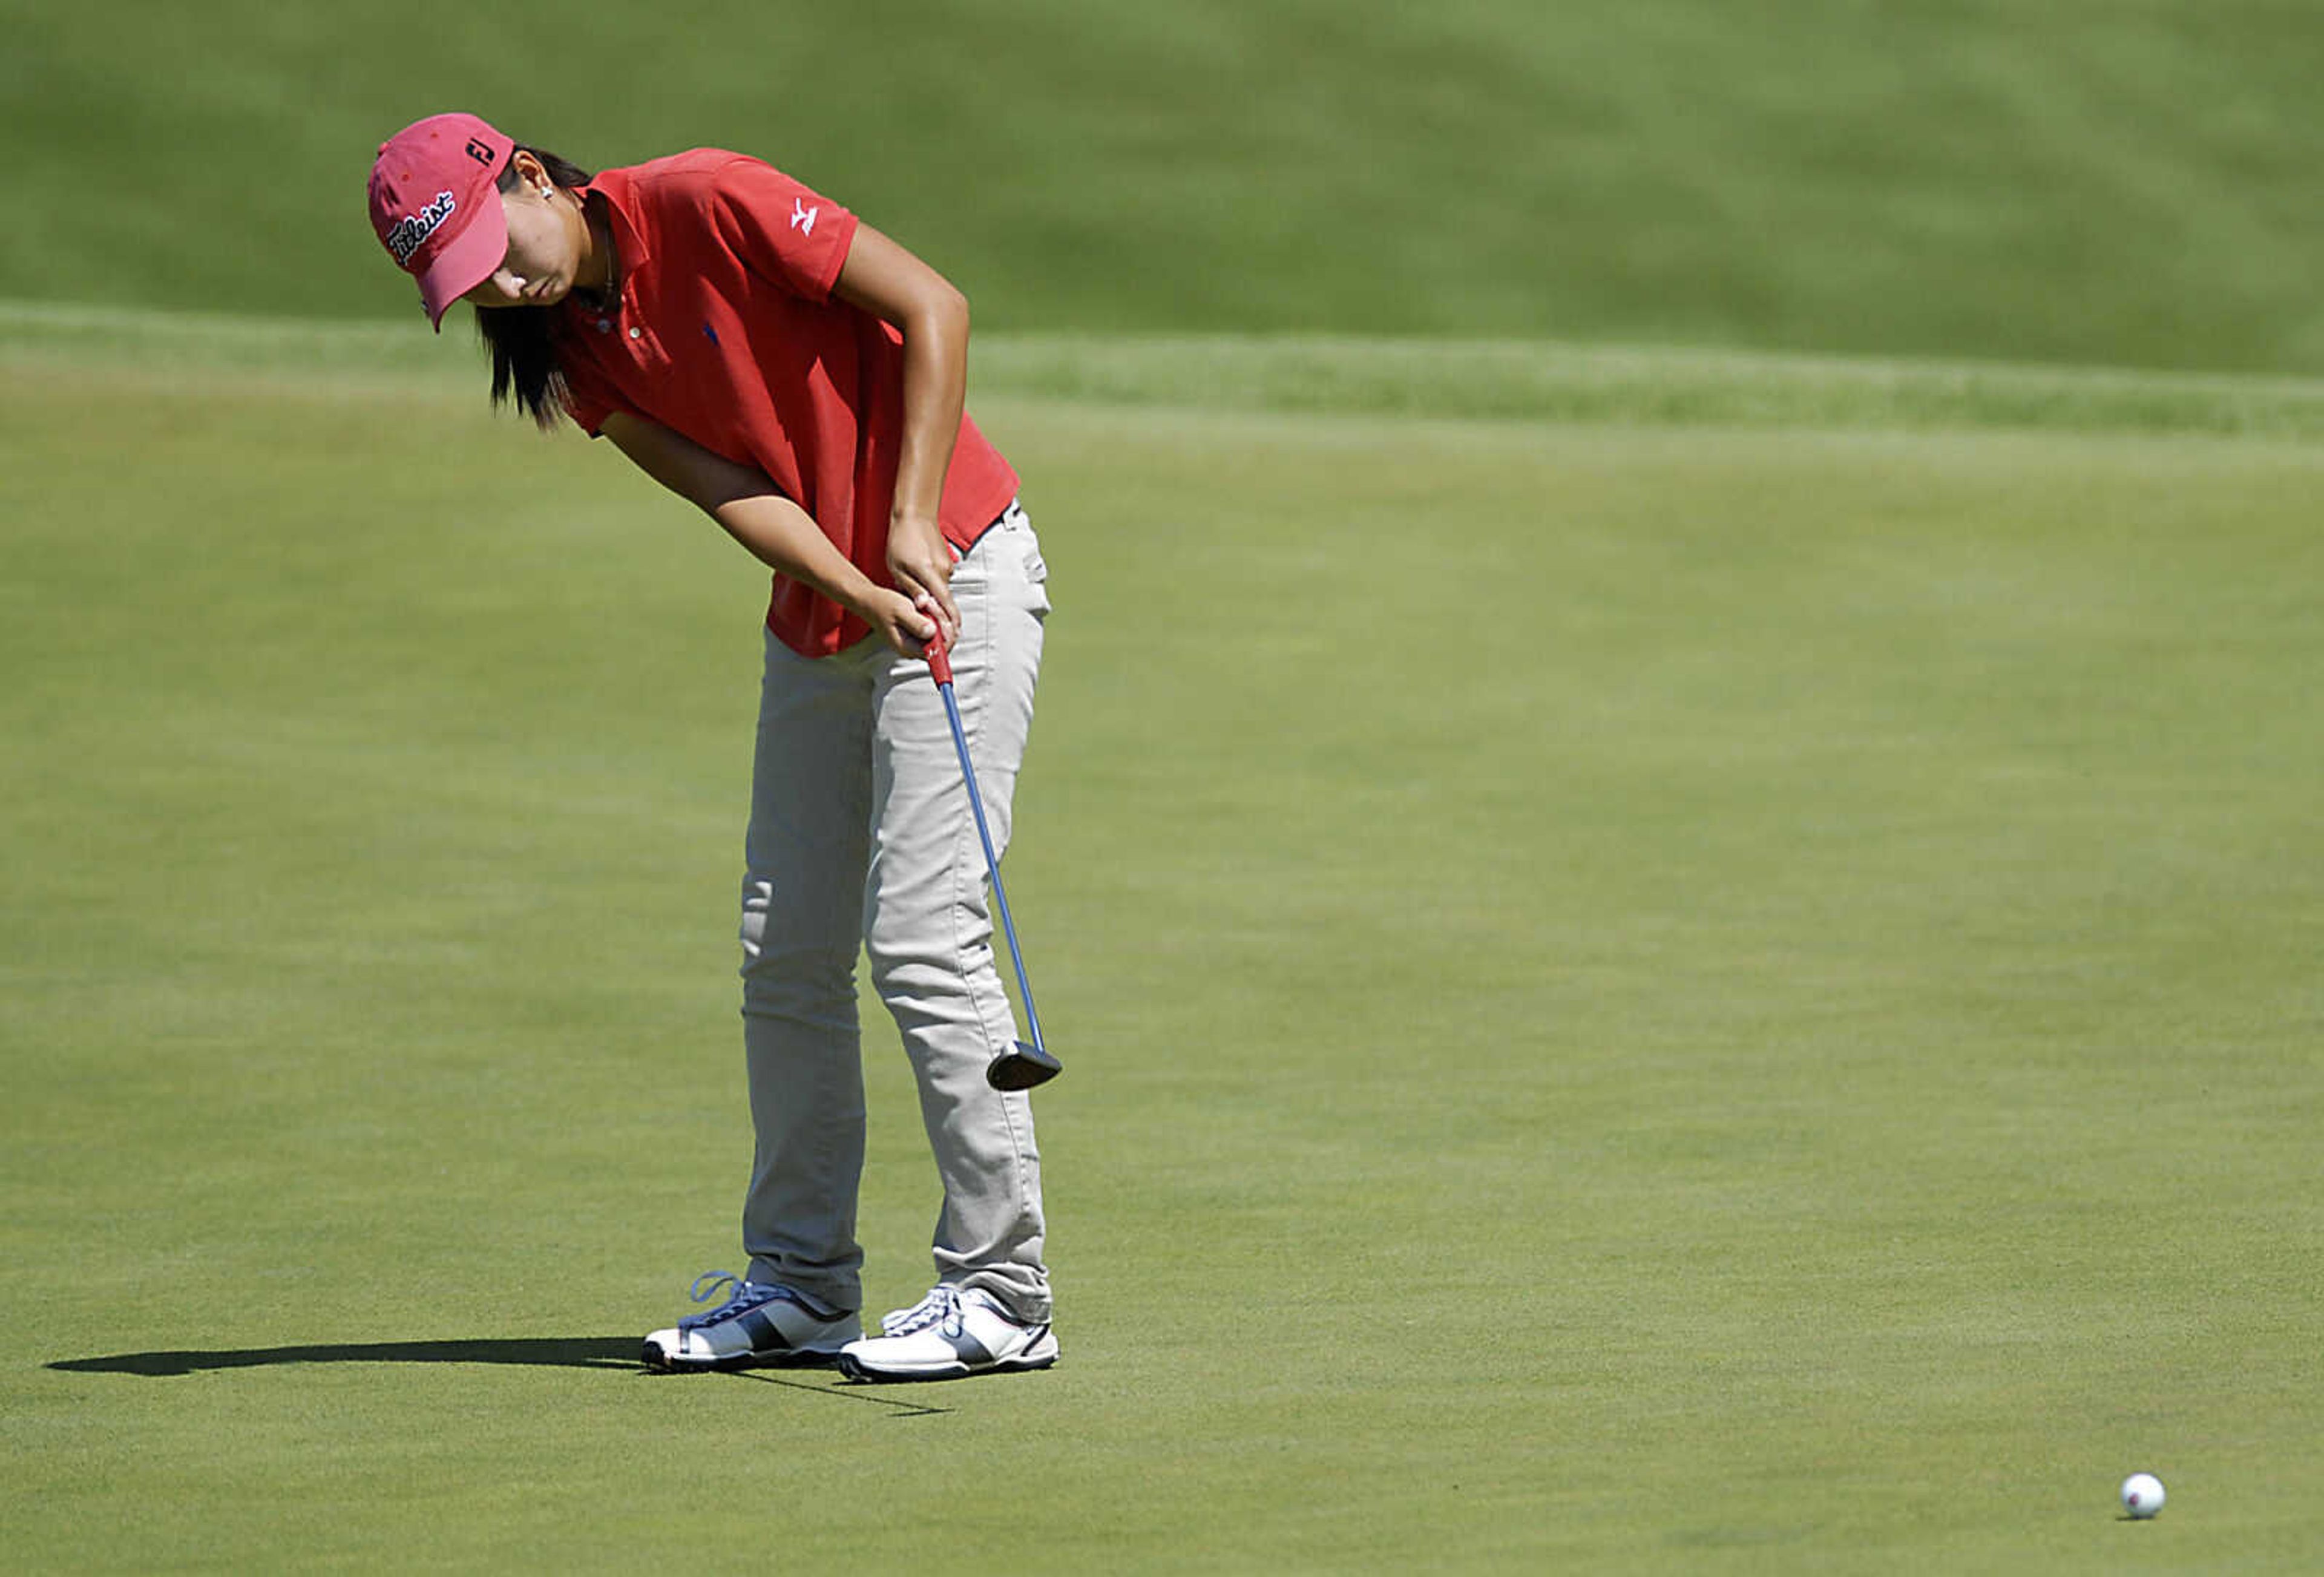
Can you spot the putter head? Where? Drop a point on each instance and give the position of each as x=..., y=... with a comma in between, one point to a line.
x=1021, y=1067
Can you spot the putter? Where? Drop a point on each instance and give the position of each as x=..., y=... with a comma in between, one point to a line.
x=1022, y=1066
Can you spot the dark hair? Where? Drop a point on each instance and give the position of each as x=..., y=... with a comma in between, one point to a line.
x=522, y=340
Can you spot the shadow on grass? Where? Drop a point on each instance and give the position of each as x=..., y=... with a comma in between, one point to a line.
x=556, y=1351
x=614, y=1352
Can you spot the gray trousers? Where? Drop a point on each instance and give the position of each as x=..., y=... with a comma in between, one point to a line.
x=861, y=834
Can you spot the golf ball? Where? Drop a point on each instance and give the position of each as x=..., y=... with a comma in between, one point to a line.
x=2141, y=1495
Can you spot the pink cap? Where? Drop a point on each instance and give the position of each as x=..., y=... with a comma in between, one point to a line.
x=435, y=204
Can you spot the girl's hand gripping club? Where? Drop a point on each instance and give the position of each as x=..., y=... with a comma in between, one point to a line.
x=1023, y=1066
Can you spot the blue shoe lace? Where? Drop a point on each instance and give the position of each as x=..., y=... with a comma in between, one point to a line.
x=745, y=1298
x=940, y=1307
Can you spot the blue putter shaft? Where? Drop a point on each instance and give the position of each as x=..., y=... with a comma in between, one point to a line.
x=1027, y=1066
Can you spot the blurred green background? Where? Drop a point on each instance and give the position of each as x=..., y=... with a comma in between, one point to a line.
x=2118, y=181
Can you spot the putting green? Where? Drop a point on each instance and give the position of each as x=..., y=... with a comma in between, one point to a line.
x=1730, y=998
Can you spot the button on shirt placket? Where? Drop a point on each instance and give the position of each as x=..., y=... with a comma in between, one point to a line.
x=644, y=349
x=609, y=321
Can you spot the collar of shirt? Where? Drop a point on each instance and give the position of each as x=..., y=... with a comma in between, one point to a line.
x=630, y=252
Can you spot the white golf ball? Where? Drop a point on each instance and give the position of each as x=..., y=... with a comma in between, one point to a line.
x=2141, y=1495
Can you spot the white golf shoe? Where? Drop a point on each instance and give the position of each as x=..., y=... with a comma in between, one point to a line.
x=947, y=1334
x=761, y=1323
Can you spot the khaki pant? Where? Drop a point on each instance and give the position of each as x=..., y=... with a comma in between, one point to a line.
x=861, y=834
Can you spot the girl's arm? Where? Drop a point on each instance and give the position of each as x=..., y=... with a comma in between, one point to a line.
x=882, y=278
x=777, y=532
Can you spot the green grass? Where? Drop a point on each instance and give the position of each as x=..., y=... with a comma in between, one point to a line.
x=1371, y=376
x=2123, y=182
x=1644, y=996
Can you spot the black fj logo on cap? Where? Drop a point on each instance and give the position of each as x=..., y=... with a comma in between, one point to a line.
x=479, y=153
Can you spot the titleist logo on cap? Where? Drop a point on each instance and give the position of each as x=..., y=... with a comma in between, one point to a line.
x=411, y=232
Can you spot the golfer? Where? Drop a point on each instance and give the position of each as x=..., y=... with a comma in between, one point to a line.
x=761, y=352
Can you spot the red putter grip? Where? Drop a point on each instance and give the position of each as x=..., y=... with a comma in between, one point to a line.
x=939, y=663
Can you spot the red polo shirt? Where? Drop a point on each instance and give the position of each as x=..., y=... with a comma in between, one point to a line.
x=727, y=332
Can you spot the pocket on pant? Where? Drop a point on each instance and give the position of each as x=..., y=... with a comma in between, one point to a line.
x=1036, y=575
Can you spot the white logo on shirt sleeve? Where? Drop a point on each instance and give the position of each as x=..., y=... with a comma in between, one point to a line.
x=803, y=217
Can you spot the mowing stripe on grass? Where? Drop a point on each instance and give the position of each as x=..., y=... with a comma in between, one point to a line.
x=1495, y=379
